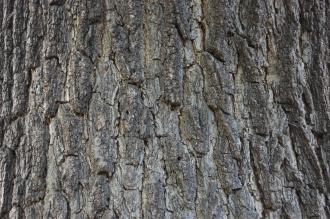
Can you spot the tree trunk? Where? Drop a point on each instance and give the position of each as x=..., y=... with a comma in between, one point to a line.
x=165, y=109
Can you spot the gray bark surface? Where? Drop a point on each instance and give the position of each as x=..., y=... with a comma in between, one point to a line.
x=164, y=109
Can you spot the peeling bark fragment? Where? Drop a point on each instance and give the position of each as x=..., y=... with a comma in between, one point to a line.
x=80, y=82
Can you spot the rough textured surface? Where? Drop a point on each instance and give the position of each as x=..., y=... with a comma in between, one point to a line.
x=164, y=109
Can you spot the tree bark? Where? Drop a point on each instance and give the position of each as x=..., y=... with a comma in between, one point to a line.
x=164, y=109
